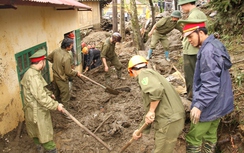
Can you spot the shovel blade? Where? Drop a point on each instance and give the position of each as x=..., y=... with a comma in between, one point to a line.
x=112, y=91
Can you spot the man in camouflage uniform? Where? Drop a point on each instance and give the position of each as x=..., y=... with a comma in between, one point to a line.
x=62, y=70
x=37, y=103
x=162, y=104
x=109, y=57
x=159, y=31
x=189, y=51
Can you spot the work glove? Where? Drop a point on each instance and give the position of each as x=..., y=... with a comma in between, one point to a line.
x=195, y=115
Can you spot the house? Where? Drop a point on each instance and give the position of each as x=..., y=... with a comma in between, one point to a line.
x=90, y=19
x=26, y=26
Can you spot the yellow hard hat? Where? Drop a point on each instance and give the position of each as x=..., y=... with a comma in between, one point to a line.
x=135, y=60
x=85, y=50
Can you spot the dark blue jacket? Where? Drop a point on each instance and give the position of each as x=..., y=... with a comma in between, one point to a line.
x=212, y=89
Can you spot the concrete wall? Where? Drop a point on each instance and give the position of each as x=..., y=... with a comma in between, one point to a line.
x=21, y=29
x=90, y=18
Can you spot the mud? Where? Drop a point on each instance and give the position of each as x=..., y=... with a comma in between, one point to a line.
x=112, y=118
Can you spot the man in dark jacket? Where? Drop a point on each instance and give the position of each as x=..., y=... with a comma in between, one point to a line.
x=212, y=89
x=93, y=58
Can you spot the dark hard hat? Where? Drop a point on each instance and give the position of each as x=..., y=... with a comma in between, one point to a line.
x=116, y=37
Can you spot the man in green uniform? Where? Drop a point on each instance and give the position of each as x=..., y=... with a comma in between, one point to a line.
x=189, y=51
x=62, y=70
x=37, y=103
x=109, y=57
x=162, y=104
x=159, y=31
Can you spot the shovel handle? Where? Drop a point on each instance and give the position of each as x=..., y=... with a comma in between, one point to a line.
x=131, y=140
x=84, y=128
x=92, y=81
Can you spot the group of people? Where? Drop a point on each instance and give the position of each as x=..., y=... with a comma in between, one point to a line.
x=205, y=59
x=206, y=66
x=38, y=100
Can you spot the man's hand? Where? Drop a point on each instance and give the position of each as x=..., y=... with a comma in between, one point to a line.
x=60, y=107
x=106, y=68
x=149, y=34
x=149, y=118
x=53, y=96
x=136, y=135
x=195, y=115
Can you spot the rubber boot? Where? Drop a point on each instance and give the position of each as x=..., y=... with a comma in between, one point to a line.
x=166, y=53
x=149, y=54
x=39, y=148
x=193, y=149
x=51, y=151
x=119, y=75
x=208, y=147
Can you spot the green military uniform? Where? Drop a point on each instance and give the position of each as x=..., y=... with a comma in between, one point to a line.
x=37, y=103
x=163, y=27
x=108, y=52
x=190, y=53
x=62, y=70
x=169, y=114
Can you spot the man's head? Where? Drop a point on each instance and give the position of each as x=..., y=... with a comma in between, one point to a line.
x=176, y=15
x=67, y=44
x=195, y=30
x=116, y=37
x=135, y=64
x=38, y=58
x=186, y=5
x=83, y=44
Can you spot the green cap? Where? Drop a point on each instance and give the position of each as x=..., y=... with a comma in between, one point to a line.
x=181, y=2
x=176, y=14
x=38, y=55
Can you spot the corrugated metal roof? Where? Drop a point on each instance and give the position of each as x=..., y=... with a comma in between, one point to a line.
x=65, y=3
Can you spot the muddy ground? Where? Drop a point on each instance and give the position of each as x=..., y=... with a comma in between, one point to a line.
x=113, y=118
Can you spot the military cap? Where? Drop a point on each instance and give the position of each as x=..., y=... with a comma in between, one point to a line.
x=191, y=25
x=38, y=55
x=181, y=2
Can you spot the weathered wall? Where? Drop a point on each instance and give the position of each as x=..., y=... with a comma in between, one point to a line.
x=21, y=29
x=90, y=18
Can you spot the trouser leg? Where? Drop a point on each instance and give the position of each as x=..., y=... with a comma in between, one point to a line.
x=64, y=91
x=189, y=68
x=166, y=137
x=203, y=131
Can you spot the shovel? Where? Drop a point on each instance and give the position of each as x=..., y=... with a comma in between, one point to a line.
x=131, y=140
x=84, y=128
x=109, y=90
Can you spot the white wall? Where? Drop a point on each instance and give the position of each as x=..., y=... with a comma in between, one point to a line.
x=21, y=29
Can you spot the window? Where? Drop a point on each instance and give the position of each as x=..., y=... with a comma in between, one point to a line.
x=23, y=63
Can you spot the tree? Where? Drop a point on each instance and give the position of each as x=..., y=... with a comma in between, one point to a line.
x=115, y=19
x=134, y=21
x=122, y=17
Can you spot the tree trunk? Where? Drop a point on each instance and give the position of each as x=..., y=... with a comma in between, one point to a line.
x=135, y=26
x=115, y=19
x=122, y=19
x=153, y=11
